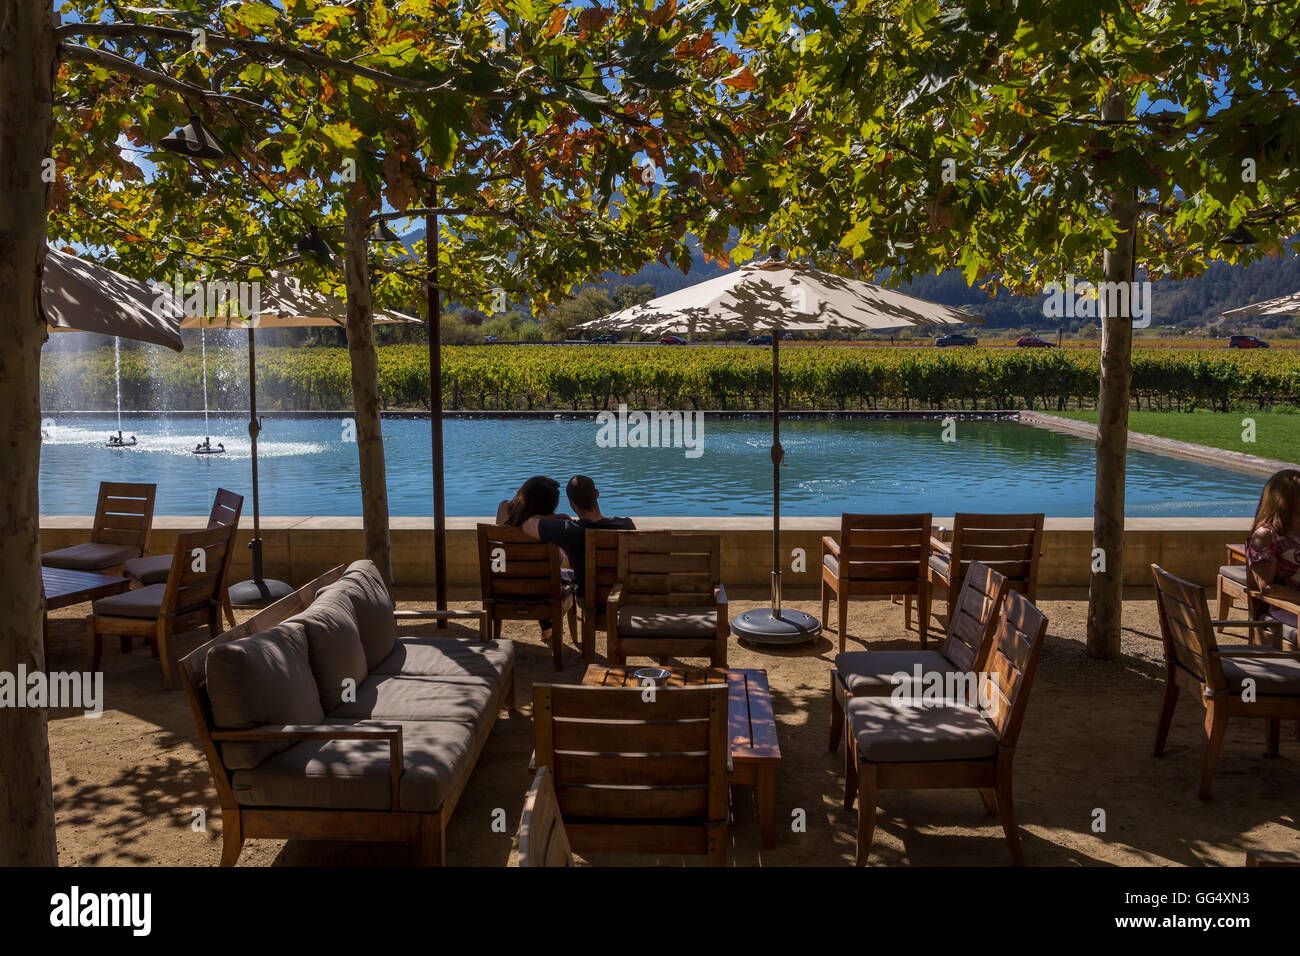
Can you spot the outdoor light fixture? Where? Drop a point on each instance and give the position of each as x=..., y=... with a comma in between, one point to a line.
x=381, y=233
x=314, y=246
x=1241, y=236
x=193, y=141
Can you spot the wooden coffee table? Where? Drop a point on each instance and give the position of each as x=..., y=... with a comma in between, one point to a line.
x=65, y=588
x=755, y=751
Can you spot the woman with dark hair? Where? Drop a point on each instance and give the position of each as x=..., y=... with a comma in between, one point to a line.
x=538, y=497
x=1273, y=552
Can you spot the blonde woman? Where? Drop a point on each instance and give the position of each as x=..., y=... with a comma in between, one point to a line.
x=1273, y=552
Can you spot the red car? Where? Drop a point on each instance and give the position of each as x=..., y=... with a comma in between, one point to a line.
x=1246, y=342
x=1033, y=342
x=672, y=340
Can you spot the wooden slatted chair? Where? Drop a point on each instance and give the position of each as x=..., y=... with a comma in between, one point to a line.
x=154, y=568
x=600, y=575
x=1233, y=583
x=542, y=838
x=521, y=581
x=964, y=650
x=123, y=521
x=878, y=557
x=1010, y=544
x=898, y=746
x=1260, y=681
x=190, y=598
x=637, y=772
x=669, y=599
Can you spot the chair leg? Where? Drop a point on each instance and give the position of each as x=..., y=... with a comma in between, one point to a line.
x=1216, y=726
x=232, y=836
x=923, y=612
x=230, y=611
x=557, y=635
x=94, y=646
x=496, y=629
x=837, y=714
x=866, y=811
x=1274, y=736
x=826, y=602
x=433, y=851
x=124, y=642
x=167, y=655
x=1166, y=714
x=850, y=772
x=842, y=610
x=907, y=612
x=990, y=798
x=1225, y=602
x=588, y=641
x=1007, y=810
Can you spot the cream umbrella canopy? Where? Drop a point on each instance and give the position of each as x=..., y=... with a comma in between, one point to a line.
x=1284, y=306
x=81, y=296
x=779, y=296
x=280, y=302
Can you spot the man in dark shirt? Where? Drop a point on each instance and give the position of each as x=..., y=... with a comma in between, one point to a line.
x=571, y=534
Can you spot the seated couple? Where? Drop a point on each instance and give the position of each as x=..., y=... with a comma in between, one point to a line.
x=532, y=509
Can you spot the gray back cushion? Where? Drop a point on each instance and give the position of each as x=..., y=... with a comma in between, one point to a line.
x=261, y=679
x=333, y=645
x=372, y=609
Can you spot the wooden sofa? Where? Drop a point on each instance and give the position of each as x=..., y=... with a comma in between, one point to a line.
x=319, y=722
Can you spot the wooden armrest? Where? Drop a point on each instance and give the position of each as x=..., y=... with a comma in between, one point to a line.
x=1236, y=554
x=1287, y=599
x=391, y=733
x=830, y=546
x=1275, y=625
x=611, y=605
x=943, y=547
x=720, y=596
x=427, y=615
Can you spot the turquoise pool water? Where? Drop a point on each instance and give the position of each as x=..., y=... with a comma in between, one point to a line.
x=308, y=467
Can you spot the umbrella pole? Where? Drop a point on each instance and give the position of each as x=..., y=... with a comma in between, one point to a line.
x=257, y=592
x=435, y=409
x=776, y=625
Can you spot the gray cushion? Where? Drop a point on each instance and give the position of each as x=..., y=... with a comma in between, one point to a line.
x=1234, y=572
x=1273, y=677
x=372, y=609
x=333, y=645
x=939, y=562
x=257, y=680
x=449, y=658
x=833, y=563
x=419, y=698
x=142, y=602
x=667, y=621
x=151, y=569
x=354, y=774
x=888, y=732
x=870, y=673
x=90, y=557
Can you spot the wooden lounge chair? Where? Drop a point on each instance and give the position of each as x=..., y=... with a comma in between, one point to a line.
x=123, y=520
x=542, y=838
x=1233, y=583
x=669, y=599
x=964, y=650
x=896, y=746
x=878, y=556
x=1218, y=676
x=521, y=581
x=190, y=598
x=600, y=575
x=637, y=772
x=1010, y=544
x=154, y=568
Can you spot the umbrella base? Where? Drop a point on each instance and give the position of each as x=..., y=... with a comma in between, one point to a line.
x=784, y=627
x=255, y=594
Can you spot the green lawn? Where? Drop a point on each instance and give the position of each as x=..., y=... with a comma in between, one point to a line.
x=1277, y=434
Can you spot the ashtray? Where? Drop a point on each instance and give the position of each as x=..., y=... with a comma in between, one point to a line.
x=653, y=674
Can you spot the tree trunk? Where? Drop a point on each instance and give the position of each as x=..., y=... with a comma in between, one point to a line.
x=365, y=396
x=1106, y=586
x=27, y=65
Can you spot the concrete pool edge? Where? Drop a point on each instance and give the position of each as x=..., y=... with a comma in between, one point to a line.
x=297, y=548
x=1221, y=457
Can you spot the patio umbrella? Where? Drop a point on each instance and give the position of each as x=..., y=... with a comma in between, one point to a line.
x=1283, y=306
x=284, y=304
x=781, y=296
x=81, y=296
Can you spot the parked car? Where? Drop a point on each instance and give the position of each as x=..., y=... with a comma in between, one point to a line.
x=955, y=338
x=760, y=340
x=788, y=337
x=1033, y=342
x=608, y=338
x=671, y=340
x=490, y=340
x=1246, y=342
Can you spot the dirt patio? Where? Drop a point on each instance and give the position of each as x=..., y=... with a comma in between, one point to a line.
x=127, y=785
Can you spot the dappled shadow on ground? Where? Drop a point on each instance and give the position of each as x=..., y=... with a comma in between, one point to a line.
x=127, y=784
